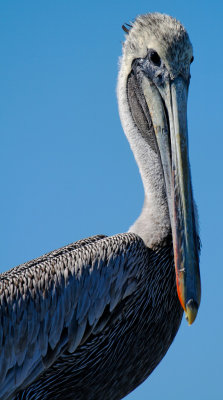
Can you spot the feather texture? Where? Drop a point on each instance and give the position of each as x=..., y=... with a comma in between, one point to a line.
x=61, y=299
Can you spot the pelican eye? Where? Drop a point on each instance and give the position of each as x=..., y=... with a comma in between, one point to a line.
x=192, y=59
x=155, y=58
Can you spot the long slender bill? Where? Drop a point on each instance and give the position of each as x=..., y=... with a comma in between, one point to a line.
x=183, y=225
x=172, y=141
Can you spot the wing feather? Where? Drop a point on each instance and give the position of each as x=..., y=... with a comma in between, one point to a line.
x=53, y=303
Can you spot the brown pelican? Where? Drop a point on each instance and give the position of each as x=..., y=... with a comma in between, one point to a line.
x=93, y=319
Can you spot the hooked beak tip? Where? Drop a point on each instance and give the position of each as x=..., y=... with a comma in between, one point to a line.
x=191, y=311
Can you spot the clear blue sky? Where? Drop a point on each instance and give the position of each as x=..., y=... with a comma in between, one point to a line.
x=66, y=168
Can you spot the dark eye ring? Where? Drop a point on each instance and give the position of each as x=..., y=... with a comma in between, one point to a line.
x=192, y=59
x=155, y=58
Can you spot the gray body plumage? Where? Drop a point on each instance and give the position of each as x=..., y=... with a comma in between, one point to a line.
x=85, y=343
x=91, y=320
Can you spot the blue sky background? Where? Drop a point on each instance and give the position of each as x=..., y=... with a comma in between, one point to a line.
x=66, y=168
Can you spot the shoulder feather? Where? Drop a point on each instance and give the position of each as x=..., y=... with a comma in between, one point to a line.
x=55, y=302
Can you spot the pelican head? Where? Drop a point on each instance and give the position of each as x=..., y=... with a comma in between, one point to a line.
x=155, y=66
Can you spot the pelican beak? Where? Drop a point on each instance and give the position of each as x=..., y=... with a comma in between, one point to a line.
x=168, y=109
